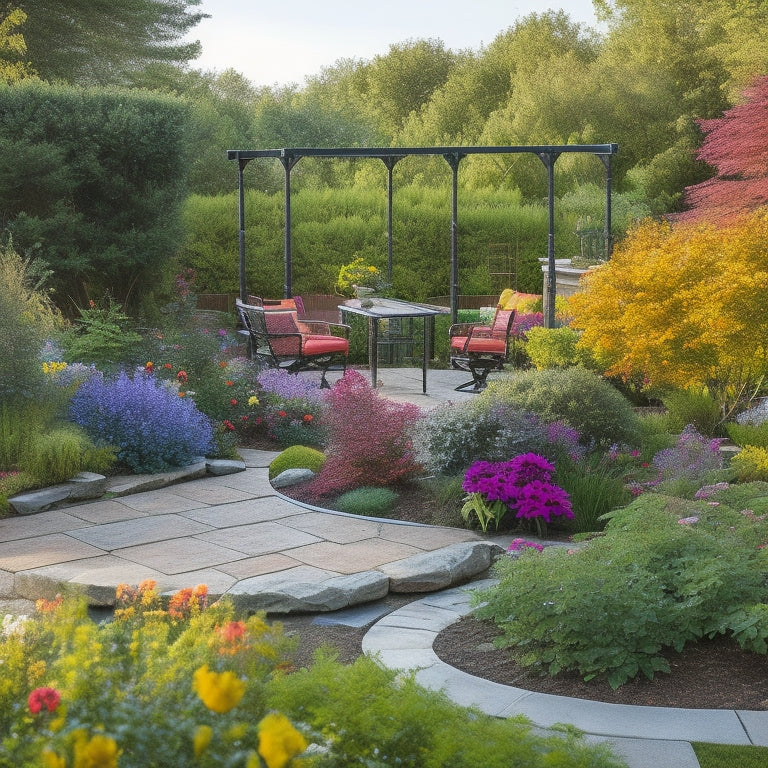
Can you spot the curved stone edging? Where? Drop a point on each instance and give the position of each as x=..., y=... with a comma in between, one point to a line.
x=403, y=640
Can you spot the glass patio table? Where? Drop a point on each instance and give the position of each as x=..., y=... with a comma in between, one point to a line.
x=376, y=309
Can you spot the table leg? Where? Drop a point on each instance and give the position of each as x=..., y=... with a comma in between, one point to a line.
x=373, y=349
x=428, y=323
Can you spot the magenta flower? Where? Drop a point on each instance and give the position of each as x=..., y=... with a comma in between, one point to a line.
x=518, y=545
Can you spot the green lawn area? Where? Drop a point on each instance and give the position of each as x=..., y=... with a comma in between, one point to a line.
x=728, y=756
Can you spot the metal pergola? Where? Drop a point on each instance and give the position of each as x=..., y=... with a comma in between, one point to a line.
x=390, y=156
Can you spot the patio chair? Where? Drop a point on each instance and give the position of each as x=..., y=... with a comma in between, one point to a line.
x=280, y=340
x=480, y=349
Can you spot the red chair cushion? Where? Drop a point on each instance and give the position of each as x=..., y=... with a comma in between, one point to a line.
x=323, y=345
x=479, y=344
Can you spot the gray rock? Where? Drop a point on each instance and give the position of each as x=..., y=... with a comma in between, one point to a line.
x=38, y=501
x=128, y=484
x=330, y=595
x=224, y=466
x=87, y=485
x=432, y=571
x=292, y=477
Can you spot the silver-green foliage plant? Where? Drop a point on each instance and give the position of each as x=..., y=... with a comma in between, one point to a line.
x=449, y=438
x=668, y=571
x=580, y=397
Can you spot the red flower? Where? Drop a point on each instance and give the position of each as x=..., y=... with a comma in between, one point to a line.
x=149, y=367
x=228, y=425
x=43, y=697
x=168, y=366
x=308, y=417
x=182, y=376
x=282, y=414
x=230, y=383
x=243, y=418
x=233, y=401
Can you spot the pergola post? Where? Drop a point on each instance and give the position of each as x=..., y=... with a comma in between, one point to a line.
x=549, y=159
x=607, y=233
x=241, y=226
x=288, y=161
x=389, y=162
x=453, y=159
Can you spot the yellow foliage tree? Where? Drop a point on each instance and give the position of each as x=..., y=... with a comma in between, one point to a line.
x=682, y=306
x=13, y=48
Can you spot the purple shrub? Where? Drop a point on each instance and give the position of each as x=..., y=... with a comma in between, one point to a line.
x=151, y=426
x=368, y=438
x=281, y=385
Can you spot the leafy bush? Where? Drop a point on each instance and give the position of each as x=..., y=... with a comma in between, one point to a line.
x=27, y=319
x=696, y=407
x=369, y=442
x=152, y=428
x=554, y=348
x=595, y=488
x=296, y=457
x=751, y=463
x=748, y=434
x=372, y=502
x=102, y=335
x=450, y=437
x=373, y=716
x=667, y=571
x=59, y=453
x=581, y=398
x=79, y=693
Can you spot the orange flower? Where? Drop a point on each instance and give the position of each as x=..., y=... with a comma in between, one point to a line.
x=188, y=600
x=223, y=364
x=168, y=366
x=182, y=394
x=229, y=383
x=308, y=417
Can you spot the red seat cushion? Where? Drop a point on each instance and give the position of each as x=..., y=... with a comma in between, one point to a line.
x=322, y=345
x=479, y=344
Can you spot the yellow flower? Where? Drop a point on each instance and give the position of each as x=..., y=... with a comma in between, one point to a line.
x=219, y=691
x=52, y=760
x=202, y=740
x=279, y=741
x=99, y=751
x=253, y=400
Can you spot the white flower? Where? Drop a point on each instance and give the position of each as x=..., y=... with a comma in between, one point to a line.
x=14, y=625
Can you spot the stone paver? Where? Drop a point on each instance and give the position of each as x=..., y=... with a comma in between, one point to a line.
x=143, y=530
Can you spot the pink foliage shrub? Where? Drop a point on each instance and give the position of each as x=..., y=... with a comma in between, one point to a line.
x=369, y=439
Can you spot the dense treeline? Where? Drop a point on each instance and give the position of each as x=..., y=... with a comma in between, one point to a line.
x=645, y=82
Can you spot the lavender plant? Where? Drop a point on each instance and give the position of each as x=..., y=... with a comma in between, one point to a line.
x=152, y=427
x=693, y=458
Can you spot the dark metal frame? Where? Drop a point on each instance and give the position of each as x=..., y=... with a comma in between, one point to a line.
x=453, y=156
x=479, y=364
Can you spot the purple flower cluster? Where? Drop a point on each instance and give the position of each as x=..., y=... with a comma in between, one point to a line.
x=523, y=484
x=563, y=436
x=288, y=386
x=152, y=427
x=692, y=457
x=524, y=321
x=709, y=490
x=520, y=545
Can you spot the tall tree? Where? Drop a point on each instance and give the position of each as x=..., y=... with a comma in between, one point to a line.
x=101, y=42
x=13, y=48
x=736, y=144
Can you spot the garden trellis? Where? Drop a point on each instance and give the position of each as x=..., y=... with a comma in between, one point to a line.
x=390, y=156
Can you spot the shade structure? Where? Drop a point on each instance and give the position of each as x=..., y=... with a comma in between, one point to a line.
x=548, y=154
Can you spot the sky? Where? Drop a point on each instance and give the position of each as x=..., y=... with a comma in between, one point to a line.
x=275, y=44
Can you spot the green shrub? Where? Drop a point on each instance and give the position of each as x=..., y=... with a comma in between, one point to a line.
x=369, y=715
x=667, y=571
x=741, y=496
x=748, y=434
x=449, y=438
x=296, y=457
x=595, y=489
x=104, y=335
x=368, y=501
x=751, y=463
x=27, y=319
x=554, y=348
x=693, y=406
x=19, y=423
x=61, y=452
x=580, y=397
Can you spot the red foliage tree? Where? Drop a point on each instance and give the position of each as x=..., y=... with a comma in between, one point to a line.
x=736, y=144
x=369, y=441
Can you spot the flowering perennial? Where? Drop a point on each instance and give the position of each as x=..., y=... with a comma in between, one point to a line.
x=522, y=485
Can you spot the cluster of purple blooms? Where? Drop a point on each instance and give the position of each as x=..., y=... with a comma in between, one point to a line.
x=693, y=456
x=286, y=386
x=524, y=484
